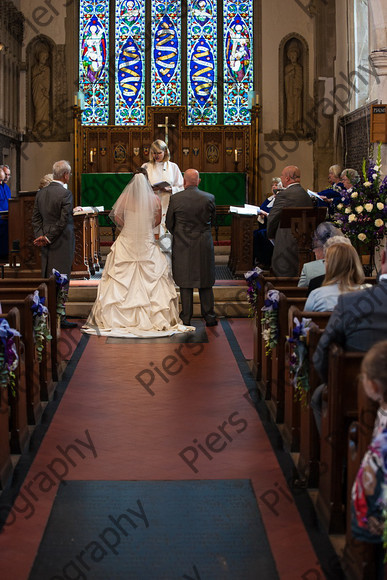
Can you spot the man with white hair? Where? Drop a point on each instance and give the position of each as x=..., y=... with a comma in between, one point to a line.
x=53, y=224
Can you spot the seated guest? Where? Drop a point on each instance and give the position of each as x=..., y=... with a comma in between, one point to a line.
x=368, y=501
x=358, y=321
x=317, y=281
x=323, y=232
x=285, y=254
x=350, y=178
x=5, y=195
x=332, y=195
x=262, y=247
x=344, y=273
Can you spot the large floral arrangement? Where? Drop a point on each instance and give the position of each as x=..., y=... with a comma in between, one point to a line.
x=252, y=290
x=40, y=323
x=362, y=212
x=299, y=359
x=9, y=359
x=269, y=320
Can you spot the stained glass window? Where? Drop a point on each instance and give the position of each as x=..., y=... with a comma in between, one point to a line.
x=94, y=61
x=130, y=63
x=166, y=53
x=202, y=62
x=238, y=61
x=148, y=66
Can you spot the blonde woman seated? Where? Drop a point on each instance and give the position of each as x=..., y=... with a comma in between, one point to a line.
x=344, y=273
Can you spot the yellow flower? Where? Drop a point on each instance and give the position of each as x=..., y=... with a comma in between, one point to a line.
x=362, y=237
x=352, y=218
x=379, y=223
x=348, y=210
x=354, y=194
x=380, y=205
x=340, y=205
x=369, y=206
x=359, y=208
x=367, y=184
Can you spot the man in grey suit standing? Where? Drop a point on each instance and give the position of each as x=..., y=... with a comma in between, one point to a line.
x=189, y=217
x=53, y=224
x=285, y=255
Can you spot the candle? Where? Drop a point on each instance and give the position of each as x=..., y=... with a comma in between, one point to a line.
x=91, y=155
x=75, y=100
x=257, y=99
x=236, y=155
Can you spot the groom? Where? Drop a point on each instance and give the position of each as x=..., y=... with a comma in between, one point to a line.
x=189, y=217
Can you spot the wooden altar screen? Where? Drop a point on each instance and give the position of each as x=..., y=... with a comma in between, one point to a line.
x=115, y=149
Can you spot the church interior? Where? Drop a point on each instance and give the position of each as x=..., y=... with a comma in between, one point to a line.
x=204, y=442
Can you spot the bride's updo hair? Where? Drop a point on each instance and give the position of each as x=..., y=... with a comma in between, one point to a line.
x=141, y=170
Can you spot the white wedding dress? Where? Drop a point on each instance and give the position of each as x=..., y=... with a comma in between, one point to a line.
x=136, y=295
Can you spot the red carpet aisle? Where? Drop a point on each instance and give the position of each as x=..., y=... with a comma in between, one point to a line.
x=143, y=411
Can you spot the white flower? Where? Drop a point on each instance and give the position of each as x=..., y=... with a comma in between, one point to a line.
x=374, y=175
x=362, y=237
x=379, y=223
x=348, y=210
x=266, y=335
x=377, y=167
x=380, y=205
x=340, y=205
x=369, y=206
x=352, y=218
x=359, y=208
x=354, y=194
x=367, y=184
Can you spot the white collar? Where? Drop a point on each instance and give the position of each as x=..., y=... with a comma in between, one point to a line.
x=61, y=182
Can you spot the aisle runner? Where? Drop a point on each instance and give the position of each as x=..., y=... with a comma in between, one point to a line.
x=155, y=529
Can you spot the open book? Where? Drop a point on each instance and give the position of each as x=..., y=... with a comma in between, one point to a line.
x=246, y=210
x=161, y=185
x=81, y=210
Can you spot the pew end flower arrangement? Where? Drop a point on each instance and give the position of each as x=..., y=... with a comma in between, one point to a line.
x=362, y=212
x=269, y=320
x=61, y=293
x=9, y=359
x=252, y=291
x=299, y=358
x=40, y=323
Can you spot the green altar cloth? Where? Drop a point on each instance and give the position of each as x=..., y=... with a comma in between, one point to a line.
x=104, y=188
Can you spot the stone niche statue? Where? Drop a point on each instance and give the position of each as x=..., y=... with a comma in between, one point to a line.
x=293, y=82
x=41, y=91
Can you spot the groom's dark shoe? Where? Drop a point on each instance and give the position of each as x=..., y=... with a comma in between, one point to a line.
x=212, y=322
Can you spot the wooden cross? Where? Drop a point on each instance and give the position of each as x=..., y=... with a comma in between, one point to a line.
x=166, y=127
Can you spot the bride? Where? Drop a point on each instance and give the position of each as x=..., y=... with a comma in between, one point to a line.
x=136, y=295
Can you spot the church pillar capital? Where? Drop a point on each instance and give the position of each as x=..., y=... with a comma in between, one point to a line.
x=379, y=60
x=378, y=89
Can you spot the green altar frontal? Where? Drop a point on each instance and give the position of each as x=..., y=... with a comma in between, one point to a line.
x=105, y=188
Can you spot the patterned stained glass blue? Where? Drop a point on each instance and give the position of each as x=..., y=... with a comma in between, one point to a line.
x=94, y=61
x=130, y=62
x=202, y=62
x=238, y=60
x=166, y=53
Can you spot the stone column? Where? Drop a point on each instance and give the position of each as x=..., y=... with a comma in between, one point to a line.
x=377, y=10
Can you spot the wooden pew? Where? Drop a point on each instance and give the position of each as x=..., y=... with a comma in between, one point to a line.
x=17, y=416
x=45, y=366
x=339, y=409
x=278, y=358
x=359, y=557
x=294, y=409
x=33, y=283
x=32, y=376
